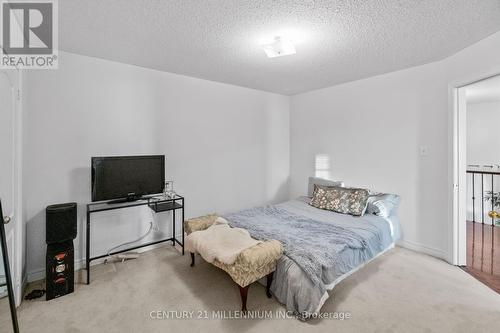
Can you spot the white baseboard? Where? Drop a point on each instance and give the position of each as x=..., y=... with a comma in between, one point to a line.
x=438, y=253
x=39, y=274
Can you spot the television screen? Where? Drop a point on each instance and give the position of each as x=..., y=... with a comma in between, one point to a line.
x=127, y=176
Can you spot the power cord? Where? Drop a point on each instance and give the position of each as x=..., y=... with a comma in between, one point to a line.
x=156, y=226
x=130, y=243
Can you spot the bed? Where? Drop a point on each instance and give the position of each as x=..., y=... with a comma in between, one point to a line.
x=321, y=248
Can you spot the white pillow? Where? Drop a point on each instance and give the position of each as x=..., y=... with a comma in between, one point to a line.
x=322, y=182
x=383, y=204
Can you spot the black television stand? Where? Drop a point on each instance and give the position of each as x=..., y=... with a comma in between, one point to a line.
x=156, y=203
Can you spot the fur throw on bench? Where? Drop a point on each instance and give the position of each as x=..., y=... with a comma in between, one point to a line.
x=220, y=242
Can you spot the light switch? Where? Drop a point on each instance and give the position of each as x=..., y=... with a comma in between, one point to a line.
x=424, y=151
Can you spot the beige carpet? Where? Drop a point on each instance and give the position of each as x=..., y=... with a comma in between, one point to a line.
x=402, y=291
x=5, y=320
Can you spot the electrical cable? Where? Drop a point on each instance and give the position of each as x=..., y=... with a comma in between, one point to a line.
x=132, y=242
x=156, y=226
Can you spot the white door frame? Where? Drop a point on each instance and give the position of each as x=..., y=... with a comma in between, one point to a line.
x=459, y=242
x=16, y=257
x=458, y=165
x=20, y=280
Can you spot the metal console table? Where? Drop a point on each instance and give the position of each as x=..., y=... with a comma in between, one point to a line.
x=156, y=203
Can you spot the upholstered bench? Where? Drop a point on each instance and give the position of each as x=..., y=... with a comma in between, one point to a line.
x=251, y=265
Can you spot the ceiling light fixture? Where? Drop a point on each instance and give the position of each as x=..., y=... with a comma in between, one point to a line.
x=279, y=47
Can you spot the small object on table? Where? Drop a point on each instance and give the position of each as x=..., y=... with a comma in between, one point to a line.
x=168, y=191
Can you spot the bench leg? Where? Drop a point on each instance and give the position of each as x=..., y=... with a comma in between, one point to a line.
x=268, y=284
x=192, y=259
x=243, y=294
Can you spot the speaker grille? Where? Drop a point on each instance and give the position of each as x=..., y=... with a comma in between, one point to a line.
x=60, y=270
x=60, y=223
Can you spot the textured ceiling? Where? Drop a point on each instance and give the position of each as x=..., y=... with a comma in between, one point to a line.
x=336, y=41
x=484, y=91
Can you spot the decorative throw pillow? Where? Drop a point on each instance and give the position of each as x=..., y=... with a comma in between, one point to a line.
x=323, y=182
x=340, y=199
x=383, y=204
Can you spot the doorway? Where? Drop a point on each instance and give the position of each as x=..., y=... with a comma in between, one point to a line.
x=478, y=173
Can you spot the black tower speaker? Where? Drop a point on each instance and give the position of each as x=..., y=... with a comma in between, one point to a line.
x=60, y=277
x=60, y=223
x=60, y=261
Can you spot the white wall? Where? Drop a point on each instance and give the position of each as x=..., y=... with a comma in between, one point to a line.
x=227, y=147
x=483, y=133
x=373, y=129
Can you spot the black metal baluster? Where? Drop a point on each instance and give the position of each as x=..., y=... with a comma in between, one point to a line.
x=492, y=246
x=473, y=244
x=473, y=199
x=482, y=198
x=482, y=247
x=492, y=199
x=492, y=220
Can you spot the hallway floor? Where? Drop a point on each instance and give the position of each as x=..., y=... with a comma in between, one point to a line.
x=483, y=254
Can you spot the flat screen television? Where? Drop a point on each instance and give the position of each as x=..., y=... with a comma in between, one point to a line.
x=127, y=177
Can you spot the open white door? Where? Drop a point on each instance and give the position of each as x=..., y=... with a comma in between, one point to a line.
x=10, y=173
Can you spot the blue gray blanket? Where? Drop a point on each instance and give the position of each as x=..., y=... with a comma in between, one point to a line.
x=312, y=244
